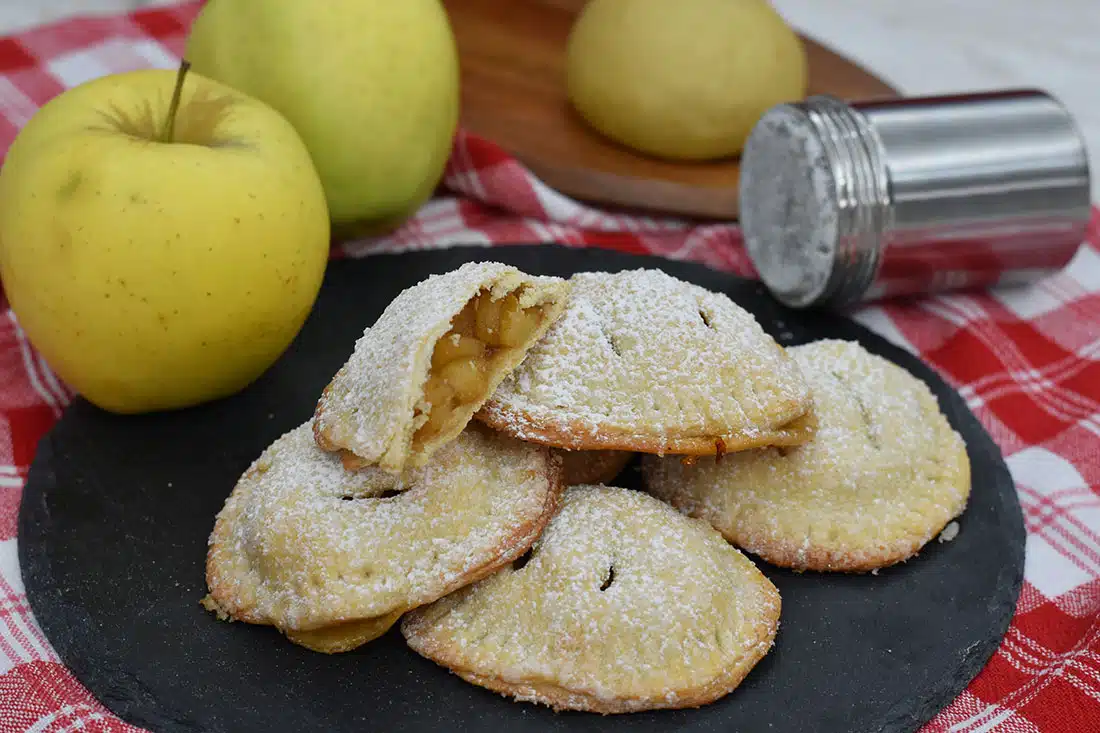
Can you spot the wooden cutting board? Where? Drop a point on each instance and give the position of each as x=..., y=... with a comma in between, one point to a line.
x=513, y=93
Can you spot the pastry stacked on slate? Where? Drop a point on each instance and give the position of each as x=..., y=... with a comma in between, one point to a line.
x=383, y=501
x=641, y=361
x=883, y=476
x=458, y=475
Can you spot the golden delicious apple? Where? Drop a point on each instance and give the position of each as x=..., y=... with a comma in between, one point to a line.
x=371, y=86
x=156, y=260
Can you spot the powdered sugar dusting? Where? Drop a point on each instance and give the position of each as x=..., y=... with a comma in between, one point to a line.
x=302, y=543
x=883, y=475
x=368, y=408
x=641, y=353
x=622, y=597
x=789, y=210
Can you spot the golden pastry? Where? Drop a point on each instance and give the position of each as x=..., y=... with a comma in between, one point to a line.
x=592, y=466
x=431, y=359
x=622, y=605
x=332, y=557
x=884, y=474
x=642, y=361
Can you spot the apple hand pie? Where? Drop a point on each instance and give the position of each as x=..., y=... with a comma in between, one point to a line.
x=622, y=605
x=332, y=558
x=642, y=361
x=883, y=476
x=431, y=359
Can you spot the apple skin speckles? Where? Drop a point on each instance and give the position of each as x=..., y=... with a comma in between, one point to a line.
x=71, y=186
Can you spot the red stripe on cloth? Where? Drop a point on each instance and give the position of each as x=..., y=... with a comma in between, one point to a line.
x=1061, y=653
x=1051, y=517
x=14, y=56
x=161, y=23
x=1081, y=602
x=1019, y=687
x=1015, y=355
x=926, y=334
x=15, y=648
x=1030, y=598
x=26, y=91
x=10, y=497
x=55, y=41
x=44, y=696
x=18, y=628
x=1078, y=445
x=33, y=423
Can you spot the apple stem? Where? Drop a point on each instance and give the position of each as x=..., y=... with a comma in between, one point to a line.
x=169, y=129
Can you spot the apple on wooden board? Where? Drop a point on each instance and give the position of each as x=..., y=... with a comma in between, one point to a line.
x=372, y=86
x=162, y=238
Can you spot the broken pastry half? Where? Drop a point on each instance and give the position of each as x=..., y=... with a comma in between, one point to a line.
x=332, y=558
x=884, y=474
x=431, y=359
x=641, y=361
x=623, y=604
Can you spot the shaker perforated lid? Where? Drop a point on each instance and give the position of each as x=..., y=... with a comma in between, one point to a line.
x=842, y=203
x=790, y=225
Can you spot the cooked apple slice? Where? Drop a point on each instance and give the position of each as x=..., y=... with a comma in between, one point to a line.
x=418, y=375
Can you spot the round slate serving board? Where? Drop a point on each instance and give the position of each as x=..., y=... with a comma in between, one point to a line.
x=117, y=511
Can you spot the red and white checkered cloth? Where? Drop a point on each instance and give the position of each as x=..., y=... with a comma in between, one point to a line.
x=1026, y=362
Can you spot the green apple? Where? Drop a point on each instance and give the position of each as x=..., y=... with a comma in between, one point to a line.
x=162, y=238
x=372, y=87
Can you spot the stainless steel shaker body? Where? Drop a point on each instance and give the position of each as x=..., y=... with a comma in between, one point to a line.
x=843, y=203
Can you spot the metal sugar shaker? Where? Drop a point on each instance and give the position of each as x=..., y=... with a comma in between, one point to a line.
x=843, y=203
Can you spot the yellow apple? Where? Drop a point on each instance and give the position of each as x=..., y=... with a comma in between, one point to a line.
x=158, y=265
x=371, y=86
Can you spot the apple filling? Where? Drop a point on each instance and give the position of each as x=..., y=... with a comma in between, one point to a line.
x=481, y=338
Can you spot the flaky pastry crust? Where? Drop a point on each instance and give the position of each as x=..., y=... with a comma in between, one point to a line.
x=375, y=408
x=883, y=476
x=622, y=605
x=642, y=361
x=307, y=546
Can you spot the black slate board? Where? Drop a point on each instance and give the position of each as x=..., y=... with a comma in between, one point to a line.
x=117, y=511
